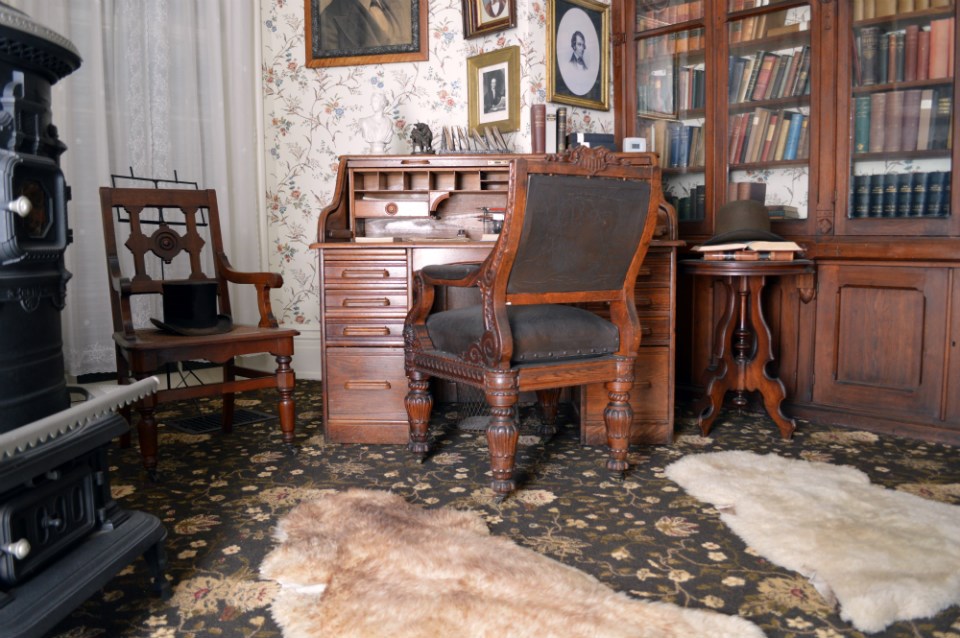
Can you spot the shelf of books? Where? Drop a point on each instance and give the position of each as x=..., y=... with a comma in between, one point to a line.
x=768, y=106
x=671, y=94
x=901, y=107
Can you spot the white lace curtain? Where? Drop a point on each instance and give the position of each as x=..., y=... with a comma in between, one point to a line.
x=165, y=85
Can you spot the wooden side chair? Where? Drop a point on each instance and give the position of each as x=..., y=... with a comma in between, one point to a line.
x=161, y=231
x=576, y=229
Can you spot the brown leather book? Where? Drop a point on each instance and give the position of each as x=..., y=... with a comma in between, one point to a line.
x=910, y=43
x=923, y=55
x=538, y=128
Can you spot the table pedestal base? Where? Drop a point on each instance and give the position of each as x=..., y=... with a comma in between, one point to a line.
x=742, y=367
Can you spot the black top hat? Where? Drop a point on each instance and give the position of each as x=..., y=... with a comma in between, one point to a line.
x=190, y=309
x=742, y=220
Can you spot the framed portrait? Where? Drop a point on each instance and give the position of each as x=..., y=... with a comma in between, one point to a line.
x=493, y=90
x=486, y=16
x=355, y=32
x=578, y=53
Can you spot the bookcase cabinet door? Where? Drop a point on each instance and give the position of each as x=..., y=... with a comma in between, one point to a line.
x=881, y=333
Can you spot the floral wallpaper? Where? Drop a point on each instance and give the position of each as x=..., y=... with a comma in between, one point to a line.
x=311, y=117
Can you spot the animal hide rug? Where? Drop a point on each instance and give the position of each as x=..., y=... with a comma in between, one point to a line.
x=883, y=555
x=367, y=563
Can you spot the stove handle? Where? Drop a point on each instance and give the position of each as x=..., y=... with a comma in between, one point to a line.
x=21, y=206
x=18, y=550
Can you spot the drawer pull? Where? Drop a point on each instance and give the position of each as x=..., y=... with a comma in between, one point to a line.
x=374, y=302
x=367, y=385
x=643, y=302
x=391, y=208
x=643, y=383
x=364, y=274
x=366, y=331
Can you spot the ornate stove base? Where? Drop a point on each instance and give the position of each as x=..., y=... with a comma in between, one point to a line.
x=30, y=610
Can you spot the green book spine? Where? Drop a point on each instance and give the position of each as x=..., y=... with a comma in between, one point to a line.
x=904, y=194
x=876, y=196
x=890, y=191
x=935, y=193
x=861, y=196
x=918, y=203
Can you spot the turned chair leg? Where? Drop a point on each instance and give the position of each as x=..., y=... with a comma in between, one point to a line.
x=419, y=404
x=226, y=419
x=147, y=433
x=549, y=401
x=502, y=395
x=286, y=407
x=618, y=416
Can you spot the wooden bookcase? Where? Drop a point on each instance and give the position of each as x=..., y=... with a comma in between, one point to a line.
x=879, y=346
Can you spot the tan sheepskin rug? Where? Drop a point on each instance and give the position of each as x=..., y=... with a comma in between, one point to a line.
x=883, y=555
x=367, y=563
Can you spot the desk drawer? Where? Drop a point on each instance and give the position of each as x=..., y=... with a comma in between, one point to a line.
x=387, y=331
x=652, y=299
x=655, y=270
x=654, y=330
x=386, y=207
x=365, y=383
x=364, y=302
x=363, y=273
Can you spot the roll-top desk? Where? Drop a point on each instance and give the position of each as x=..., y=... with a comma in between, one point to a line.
x=365, y=292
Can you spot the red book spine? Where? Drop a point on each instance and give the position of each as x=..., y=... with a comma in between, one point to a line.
x=923, y=55
x=538, y=128
x=910, y=41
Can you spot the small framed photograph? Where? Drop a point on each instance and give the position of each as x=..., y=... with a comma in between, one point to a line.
x=493, y=90
x=578, y=53
x=486, y=16
x=355, y=32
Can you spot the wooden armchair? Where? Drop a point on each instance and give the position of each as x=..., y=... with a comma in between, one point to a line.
x=576, y=230
x=159, y=228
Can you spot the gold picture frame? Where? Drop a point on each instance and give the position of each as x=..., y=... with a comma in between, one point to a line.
x=481, y=17
x=343, y=33
x=487, y=103
x=578, y=53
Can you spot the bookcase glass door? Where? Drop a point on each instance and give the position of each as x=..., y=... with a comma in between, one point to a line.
x=901, y=112
x=671, y=85
x=768, y=106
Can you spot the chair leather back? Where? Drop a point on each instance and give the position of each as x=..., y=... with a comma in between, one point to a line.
x=580, y=233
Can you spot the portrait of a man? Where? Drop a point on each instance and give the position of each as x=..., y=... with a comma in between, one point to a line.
x=493, y=8
x=578, y=46
x=351, y=25
x=494, y=91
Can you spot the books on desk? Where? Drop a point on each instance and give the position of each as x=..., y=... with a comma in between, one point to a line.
x=750, y=251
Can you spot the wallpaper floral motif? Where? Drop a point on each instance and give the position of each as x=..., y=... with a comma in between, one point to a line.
x=312, y=117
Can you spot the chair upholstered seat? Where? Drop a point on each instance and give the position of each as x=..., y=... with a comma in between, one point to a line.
x=541, y=332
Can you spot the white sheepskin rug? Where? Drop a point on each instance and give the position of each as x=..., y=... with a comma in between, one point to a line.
x=367, y=563
x=883, y=555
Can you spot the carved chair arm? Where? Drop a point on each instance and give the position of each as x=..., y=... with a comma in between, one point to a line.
x=462, y=275
x=262, y=281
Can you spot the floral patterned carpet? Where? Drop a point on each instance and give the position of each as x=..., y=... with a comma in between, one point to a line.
x=220, y=495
